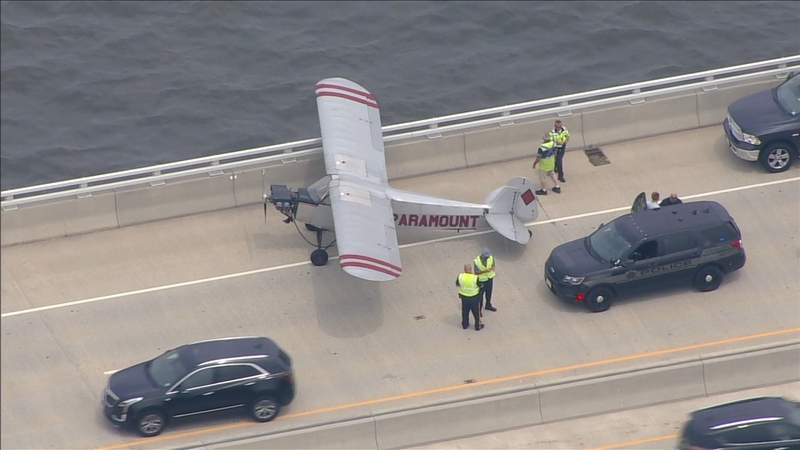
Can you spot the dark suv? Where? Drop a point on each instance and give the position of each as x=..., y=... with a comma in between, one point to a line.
x=764, y=423
x=765, y=126
x=696, y=241
x=203, y=377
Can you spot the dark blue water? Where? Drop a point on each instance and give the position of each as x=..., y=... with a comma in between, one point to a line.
x=94, y=87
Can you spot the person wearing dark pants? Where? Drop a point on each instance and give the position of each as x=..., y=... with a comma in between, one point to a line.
x=484, y=268
x=560, y=136
x=469, y=291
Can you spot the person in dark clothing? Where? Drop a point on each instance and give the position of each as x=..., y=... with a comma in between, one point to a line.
x=485, y=270
x=560, y=136
x=671, y=200
x=470, y=293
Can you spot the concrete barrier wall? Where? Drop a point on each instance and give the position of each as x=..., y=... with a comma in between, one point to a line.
x=175, y=198
x=712, y=106
x=357, y=434
x=670, y=381
x=412, y=157
x=451, y=421
x=624, y=391
x=59, y=218
x=772, y=366
x=654, y=116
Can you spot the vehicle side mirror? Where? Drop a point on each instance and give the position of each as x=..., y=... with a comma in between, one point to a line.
x=601, y=224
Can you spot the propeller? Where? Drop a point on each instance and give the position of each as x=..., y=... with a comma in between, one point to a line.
x=264, y=195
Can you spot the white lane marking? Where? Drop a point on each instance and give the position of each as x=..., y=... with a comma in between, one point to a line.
x=415, y=244
x=110, y=372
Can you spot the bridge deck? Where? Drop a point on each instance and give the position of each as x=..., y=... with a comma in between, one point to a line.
x=355, y=341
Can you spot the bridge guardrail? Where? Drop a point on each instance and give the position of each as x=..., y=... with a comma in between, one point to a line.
x=428, y=128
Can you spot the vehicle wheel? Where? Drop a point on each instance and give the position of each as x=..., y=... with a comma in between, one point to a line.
x=265, y=408
x=150, y=423
x=319, y=257
x=708, y=278
x=777, y=157
x=599, y=299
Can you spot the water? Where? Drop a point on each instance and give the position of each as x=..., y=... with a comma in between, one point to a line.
x=95, y=87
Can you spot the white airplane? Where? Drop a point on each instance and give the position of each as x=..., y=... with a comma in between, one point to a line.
x=356, y=201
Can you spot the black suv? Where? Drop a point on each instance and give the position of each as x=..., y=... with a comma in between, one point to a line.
x=765, y=126
x=764, y=423
x=208, y=376
x=696, y=241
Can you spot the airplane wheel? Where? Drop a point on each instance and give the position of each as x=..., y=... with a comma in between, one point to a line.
x=319, y=257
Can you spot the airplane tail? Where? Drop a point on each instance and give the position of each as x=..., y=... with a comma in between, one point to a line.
x=510, y=206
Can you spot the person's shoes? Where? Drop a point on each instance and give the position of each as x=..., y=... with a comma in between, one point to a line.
x=491, y=308
x=478, y=327
x=541, y=192
x=561, y=179
x=464, y=326
x=557, y=190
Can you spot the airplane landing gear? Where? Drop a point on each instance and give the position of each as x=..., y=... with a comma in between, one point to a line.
x=319, y=257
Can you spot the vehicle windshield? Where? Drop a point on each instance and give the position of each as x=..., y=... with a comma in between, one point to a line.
x=167, y=369
x=608, y=243
x=788, y=95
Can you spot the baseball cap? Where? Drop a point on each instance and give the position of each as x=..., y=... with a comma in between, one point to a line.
x=485, y=252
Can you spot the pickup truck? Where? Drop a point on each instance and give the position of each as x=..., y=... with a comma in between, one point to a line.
x=765, y=126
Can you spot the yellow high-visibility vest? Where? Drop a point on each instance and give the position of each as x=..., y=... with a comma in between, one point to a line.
x=560, y=138
x=489, y=263
x=468, y=285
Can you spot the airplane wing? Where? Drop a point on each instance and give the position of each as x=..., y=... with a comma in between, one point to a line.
x=352, y=144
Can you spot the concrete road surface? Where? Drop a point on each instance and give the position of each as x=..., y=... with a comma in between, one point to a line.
x=76, y=308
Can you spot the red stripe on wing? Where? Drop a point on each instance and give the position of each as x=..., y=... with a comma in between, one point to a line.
x=347, y=97
x=346, y=89
x=369, y=266
x=370, y=259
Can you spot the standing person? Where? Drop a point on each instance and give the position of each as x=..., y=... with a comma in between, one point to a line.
x=560, y=136
x=484, y=269
x=671, y=200
x=469, y=291
x=546, y=155
x=653, y=203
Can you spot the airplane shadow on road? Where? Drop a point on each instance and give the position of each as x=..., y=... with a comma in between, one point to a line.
x=346, y=307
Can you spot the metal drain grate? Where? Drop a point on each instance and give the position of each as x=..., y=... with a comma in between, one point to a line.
x=596, y=156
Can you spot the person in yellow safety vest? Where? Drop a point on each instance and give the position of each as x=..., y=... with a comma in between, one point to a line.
x=484, y=268
x=560, y=136
x=469, y=291
x=546, y=159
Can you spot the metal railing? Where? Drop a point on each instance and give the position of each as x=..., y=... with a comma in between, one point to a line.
x=431, y=128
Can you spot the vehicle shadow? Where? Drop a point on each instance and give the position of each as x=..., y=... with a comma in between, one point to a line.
x=659, y=292
x=643, y=294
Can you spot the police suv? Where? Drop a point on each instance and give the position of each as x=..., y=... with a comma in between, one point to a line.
x=697, y=242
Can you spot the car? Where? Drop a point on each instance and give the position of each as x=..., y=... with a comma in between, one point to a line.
x=694, y=241
x=765, y=126
x=763, y=423
x=203, y=377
